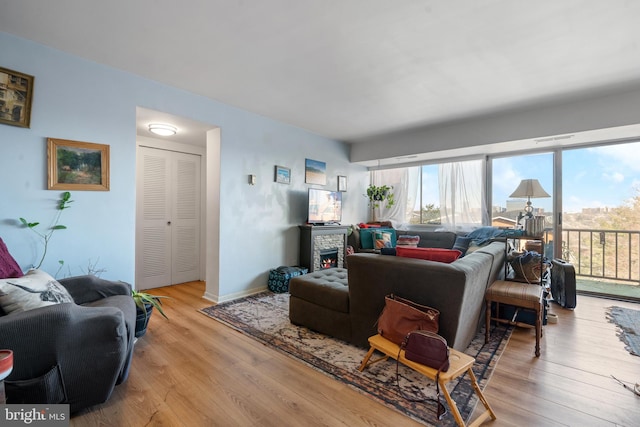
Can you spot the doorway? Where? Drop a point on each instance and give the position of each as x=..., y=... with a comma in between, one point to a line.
x=168, y=217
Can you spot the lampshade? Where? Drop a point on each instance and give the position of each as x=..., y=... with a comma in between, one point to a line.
x=162, y=129
x=529, y=188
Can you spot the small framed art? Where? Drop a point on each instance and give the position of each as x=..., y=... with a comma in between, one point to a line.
x=283, y=175
x=75, y=165
x=315, y=172
x=342, y=183
x=16, y=91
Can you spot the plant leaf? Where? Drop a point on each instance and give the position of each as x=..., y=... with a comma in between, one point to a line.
x=59, y=227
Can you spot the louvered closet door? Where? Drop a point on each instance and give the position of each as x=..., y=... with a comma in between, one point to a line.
x=168, y=218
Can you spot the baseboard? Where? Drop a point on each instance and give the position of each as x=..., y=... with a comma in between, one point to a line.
x=230, y=297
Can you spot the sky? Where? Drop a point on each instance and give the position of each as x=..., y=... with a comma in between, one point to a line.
x=605, y=176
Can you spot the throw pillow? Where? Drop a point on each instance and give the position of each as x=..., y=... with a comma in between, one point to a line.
x=388, y=251
x=8, y=266
x=462, y=244
x=429, y=254
x=407, y=240
x=36, y=289
x=367, y=237
x=382, y=239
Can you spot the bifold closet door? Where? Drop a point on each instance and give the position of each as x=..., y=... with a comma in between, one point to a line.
x=168, y=218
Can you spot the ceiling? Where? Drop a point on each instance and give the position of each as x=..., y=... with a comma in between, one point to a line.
x=353, y=69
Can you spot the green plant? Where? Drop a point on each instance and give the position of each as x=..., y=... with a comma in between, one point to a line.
x=143, y=298
x=378, y=195
x=63, y=203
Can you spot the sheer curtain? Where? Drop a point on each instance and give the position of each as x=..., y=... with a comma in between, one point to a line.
x=462, y=194
x=404, y=182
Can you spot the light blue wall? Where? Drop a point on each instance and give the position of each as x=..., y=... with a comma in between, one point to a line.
x=80, y=100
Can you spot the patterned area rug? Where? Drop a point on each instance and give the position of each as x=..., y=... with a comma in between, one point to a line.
x=628, y=322
x=265, y=317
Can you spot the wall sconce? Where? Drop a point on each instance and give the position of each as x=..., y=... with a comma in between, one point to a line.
x=163, y=129
x=252, y=179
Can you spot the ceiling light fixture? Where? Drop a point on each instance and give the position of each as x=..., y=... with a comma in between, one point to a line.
x=162, y=129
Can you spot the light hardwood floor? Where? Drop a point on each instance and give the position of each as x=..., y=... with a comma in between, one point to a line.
x=193, y=371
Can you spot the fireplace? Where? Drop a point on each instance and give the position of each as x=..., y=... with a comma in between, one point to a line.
x=328, y=258
x=322, y=246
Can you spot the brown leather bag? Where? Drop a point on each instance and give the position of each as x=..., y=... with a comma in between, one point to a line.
x=401, y=316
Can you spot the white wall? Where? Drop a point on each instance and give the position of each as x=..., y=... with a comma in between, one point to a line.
x=80, y=100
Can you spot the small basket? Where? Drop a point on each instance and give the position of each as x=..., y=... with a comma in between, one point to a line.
x=530, y=272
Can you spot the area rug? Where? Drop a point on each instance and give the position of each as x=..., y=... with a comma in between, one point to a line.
x=265, y=317
x=628, y=322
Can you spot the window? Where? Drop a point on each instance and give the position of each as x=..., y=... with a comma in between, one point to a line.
x=449, y=194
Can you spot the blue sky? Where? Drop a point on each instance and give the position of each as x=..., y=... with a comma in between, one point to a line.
x=592, y=177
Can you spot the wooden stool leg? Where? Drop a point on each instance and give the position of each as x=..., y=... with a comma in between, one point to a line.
x=538, y=328
x=487, y=322
x=489, y=412
x=452, y=404
x=366, y=359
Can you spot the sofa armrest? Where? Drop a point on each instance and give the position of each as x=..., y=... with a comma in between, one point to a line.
x=89, y=288
x=68, y=335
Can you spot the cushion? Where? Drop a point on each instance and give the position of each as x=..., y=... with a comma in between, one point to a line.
x=367, y=238
x=430, y=254
x=462, y=244
x=407, y=240
x=8, y=266
x=382, y=239
x=34, y=290
x=388, y=251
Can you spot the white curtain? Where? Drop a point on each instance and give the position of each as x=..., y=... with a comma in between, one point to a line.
x=462, y=194
x=401, y=182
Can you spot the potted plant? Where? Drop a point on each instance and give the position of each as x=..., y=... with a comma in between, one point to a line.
x=145, y=303
x=378, y=195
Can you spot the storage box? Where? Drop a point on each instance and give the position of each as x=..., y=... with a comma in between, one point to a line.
x=279, y=277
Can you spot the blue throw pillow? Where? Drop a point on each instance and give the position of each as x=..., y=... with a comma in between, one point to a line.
x=462, y=244
x=367, y=237
x=388, y=251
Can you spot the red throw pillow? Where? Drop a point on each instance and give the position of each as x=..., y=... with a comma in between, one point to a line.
x=9, y=268
x=430, y=254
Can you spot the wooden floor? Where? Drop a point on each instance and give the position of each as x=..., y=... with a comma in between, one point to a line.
x=193, y=371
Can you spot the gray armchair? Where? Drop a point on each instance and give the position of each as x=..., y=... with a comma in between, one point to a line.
x=71, y=353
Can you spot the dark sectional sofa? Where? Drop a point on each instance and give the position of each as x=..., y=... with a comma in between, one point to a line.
x=346, y=303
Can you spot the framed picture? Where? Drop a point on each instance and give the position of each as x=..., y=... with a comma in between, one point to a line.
x=315, y=172
x=283, y=175
x=16, y=91
x=75, y=165
x=342, y=183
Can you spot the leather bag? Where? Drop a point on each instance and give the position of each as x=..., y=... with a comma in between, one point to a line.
x=401, y=316
x=427, y=349
x=430, y=349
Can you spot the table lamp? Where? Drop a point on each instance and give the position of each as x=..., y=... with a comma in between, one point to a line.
x=529, y=188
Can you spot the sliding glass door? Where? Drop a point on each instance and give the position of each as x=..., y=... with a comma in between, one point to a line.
x=508, y=207
x=601, y=218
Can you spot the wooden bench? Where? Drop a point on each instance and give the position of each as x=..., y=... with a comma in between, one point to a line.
x=459, y=363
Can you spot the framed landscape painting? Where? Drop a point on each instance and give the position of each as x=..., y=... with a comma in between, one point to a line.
x=75, y=165
x=16, y=91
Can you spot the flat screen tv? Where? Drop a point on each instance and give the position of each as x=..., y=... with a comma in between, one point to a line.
x=325, y=207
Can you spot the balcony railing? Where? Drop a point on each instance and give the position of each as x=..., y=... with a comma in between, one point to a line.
x=606, y=254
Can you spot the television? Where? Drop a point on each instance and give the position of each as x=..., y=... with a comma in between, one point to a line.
x=324, y=207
